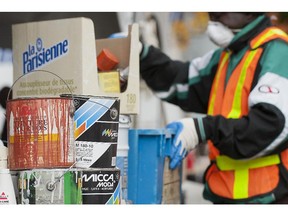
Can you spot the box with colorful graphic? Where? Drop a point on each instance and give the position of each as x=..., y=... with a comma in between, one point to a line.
x=68, y=48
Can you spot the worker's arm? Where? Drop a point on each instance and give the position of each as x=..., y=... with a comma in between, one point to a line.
x=186, y=84
x=265, y=129
x=248, y=136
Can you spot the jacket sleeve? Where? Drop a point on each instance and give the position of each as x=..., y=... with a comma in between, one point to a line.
x=186, y=84
x=264, y=130
x=248, y=136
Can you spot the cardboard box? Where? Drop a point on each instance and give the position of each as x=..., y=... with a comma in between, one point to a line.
x=63, y=53
x=109, y=81
x=171, y=193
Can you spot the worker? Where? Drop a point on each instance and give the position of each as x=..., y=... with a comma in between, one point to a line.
x=242, y=88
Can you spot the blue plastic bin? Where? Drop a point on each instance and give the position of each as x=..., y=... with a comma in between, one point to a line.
x=147, y=152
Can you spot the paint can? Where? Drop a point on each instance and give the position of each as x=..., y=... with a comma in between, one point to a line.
x=40, y=133
x=100, y=186
x=49, y=186
x=122, y=154
x=96, y=122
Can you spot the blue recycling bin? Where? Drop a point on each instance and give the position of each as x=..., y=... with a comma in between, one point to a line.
x=148, y=149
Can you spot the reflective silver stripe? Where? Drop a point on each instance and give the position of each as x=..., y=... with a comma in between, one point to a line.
x=201, y=129
x=195, y=66
x=199, y=63
x=180, y=88
x=164, y=95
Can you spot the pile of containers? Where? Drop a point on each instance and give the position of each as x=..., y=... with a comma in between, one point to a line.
x=64, y=149
x=96, y=122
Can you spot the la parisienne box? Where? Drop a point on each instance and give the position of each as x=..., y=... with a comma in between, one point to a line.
x=57, y=57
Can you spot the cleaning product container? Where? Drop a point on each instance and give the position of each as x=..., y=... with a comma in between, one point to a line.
x=7, y=190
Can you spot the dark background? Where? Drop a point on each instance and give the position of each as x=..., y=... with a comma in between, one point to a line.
x=105, y=23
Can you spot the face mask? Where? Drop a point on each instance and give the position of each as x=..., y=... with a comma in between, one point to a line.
x=219, y=34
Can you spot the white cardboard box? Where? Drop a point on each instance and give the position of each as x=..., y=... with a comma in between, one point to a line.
x=62, y=54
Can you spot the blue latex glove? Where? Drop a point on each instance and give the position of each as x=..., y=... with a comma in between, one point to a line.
x=185, y=140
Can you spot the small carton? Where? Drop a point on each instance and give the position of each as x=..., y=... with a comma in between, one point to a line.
x=109, y=81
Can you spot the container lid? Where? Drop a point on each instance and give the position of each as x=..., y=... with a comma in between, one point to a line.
x=106, y=60
x=124, y=119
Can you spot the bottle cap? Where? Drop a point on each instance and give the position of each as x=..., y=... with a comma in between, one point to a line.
x=106, y=60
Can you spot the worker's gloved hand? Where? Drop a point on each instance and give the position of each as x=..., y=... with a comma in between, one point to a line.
x=186, y=139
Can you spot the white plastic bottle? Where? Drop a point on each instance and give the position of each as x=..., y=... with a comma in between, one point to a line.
x=7, y=193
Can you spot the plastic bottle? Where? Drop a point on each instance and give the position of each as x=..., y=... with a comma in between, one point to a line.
x=7, y=192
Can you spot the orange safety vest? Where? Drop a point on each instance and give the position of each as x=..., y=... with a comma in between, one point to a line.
x=241, y=179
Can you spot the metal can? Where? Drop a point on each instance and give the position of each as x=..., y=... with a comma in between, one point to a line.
x=96, y=122
x=40, y=133
x=49, y=186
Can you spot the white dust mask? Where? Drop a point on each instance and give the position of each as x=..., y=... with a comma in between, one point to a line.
x=219, y=33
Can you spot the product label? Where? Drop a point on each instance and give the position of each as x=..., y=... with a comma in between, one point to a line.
x=4, y=198
x=101, y=186
x=33, y=187
x=97, y=155
x=38, y=133
x=96, y=114
x=100, y=181
x=37, y=55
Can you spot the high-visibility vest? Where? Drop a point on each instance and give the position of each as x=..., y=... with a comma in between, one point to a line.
x=241, y=179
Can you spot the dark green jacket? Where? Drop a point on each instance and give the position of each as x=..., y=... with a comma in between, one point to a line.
x=187, y=84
